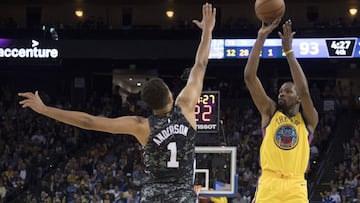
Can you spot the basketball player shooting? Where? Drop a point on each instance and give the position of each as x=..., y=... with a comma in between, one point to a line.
x=168, y=136
x=287, y=133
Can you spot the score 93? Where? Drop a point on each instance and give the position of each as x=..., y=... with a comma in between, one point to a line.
x=309, y=48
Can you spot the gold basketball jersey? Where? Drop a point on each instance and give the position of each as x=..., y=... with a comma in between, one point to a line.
x=285, y=147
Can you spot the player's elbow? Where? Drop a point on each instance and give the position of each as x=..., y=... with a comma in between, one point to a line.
x=249, y=78
x=246, y=78
x=202, y=63
x=249, y=75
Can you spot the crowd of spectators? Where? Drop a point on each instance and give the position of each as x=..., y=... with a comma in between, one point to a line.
x=345, y=188
x=44, y=161
x=48, y=161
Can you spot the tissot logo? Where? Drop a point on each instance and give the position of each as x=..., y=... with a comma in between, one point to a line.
x=33, y=52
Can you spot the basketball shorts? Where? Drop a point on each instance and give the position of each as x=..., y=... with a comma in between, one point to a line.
x=168, y=193
x=277, y=188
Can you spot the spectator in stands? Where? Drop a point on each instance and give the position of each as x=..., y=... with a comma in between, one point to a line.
x=335, y=196
x=314, y=152
x=348, y=193
x=248, y=196
x=239, y=199
x=351, y=180
x=357, y=199
x=2, y=191
x=326, y=197
x=45, y=198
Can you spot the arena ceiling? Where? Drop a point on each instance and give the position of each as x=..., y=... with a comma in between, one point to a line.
x=135, y=2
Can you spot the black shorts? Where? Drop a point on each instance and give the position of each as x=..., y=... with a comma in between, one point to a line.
x=168, y=193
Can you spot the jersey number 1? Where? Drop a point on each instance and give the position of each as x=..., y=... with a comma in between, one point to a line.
x=173, y=153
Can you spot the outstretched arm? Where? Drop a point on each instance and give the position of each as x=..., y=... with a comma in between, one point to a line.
x=122, y=125
x=188, y=97
x=299, y=77
x=263, y=102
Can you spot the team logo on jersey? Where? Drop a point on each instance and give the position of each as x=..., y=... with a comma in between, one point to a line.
x=286, y=137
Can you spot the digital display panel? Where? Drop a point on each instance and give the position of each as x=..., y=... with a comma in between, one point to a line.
x=27, y=49
x=207, y=112
x=348, y=47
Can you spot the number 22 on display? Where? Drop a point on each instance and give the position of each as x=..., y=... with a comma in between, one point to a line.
x=204, y=113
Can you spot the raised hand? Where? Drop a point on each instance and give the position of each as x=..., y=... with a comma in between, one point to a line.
x=32, y=100
x=266, y=29
x=208, y=18
x=287, y=36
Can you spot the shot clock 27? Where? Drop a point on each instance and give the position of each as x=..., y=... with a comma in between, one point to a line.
x=348, y=47
x=207, y=112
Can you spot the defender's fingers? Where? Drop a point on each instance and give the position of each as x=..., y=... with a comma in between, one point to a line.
x=214, y=11
x=196, y=22
x=207, y=9
x=280, y=35
x=26, y=94
x=204, y=9
x=285, y=30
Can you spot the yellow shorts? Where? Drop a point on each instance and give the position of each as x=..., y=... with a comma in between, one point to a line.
x=277, y=188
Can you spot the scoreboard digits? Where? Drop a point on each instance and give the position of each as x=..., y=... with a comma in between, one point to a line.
x=342, y=47
x=303, y=48
x=309, y=48
x=207, y=112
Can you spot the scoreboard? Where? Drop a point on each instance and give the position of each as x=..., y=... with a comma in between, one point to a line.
x=348, y=47
x=53, y=51
x=207, y=112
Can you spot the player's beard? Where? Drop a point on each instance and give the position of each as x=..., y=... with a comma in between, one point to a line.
x=281, y=106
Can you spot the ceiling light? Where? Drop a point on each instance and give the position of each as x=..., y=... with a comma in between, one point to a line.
x=79, y=13
x=353, y=11
x=170, y=13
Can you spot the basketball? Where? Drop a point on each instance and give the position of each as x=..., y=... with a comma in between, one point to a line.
x=269, y=10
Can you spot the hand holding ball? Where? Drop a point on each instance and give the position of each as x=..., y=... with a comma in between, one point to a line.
x=269, y=10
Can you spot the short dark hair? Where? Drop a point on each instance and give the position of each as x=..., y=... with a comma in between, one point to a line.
x=155, y=93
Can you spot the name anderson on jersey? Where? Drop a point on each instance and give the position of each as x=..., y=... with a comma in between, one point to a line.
x=170, y=130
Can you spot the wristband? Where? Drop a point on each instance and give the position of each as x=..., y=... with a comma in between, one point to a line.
x=288, y=52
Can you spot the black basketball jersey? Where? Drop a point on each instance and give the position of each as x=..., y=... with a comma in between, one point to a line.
x=169, y=155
